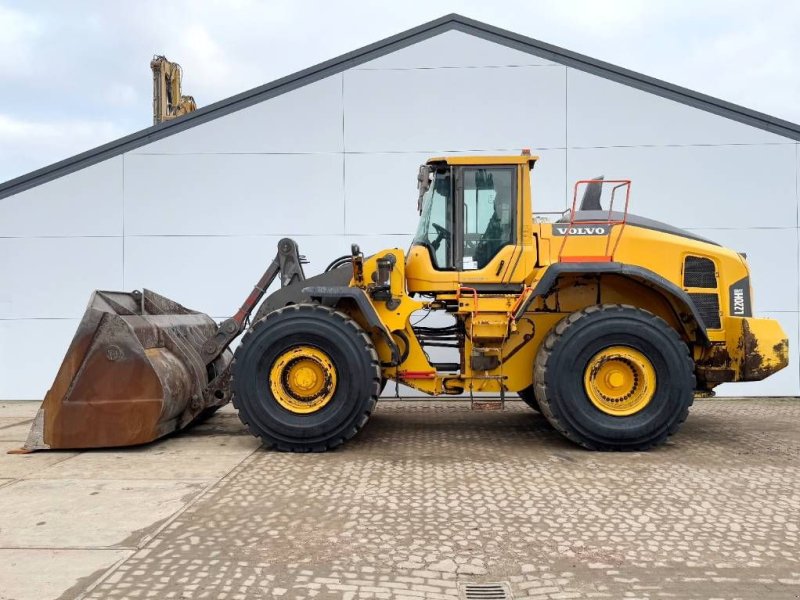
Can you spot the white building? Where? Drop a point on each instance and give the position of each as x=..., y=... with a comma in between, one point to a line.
x=193, y=208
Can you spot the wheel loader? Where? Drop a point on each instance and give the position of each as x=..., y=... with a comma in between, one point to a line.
x=607, y=323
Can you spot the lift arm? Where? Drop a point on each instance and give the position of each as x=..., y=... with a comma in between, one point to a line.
x=289, y=264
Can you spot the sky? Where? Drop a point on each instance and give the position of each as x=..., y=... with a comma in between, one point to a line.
x=74, y=75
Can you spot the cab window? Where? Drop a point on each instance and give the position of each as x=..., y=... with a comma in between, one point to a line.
x=489, y=214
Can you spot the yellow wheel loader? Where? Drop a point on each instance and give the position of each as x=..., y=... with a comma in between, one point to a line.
x=606, y=322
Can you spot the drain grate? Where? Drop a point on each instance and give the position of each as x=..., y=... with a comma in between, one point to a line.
x=485, y=591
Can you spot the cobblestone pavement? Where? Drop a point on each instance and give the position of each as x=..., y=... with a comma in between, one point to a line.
x=432, y=496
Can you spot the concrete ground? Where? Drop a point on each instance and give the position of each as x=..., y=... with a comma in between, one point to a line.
x=428, y=498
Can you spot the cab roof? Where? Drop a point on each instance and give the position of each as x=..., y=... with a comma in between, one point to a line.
x=503, y=159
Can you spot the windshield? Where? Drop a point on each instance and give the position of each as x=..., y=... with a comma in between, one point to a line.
x=434, y=217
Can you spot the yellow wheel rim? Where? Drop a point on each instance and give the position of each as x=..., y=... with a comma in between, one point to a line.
x=620, y=381
x=303, y=379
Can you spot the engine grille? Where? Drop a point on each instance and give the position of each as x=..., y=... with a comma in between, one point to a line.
x=699, y=272
x=708, y=307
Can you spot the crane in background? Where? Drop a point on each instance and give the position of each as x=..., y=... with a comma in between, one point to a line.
x=168, y=100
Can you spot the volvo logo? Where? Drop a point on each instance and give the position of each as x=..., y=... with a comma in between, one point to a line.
x=581, y=229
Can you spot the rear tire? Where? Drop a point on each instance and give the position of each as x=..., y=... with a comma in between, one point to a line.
x=569, y=355
x=290, y=425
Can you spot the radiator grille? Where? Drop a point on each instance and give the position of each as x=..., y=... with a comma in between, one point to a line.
x=699, y=272
x=708, y=307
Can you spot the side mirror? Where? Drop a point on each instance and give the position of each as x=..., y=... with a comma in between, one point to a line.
x=591, y=195
x=423, y=184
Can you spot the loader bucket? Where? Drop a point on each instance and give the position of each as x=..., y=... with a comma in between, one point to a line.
x=134, y=372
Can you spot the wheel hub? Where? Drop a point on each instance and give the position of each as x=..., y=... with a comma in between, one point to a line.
x=620, y=381
x=303, y=379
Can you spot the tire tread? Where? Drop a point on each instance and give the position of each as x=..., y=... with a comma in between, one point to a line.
x=541, y=371
x=374, y=361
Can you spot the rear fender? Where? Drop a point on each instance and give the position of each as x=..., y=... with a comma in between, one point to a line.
x=683, y=307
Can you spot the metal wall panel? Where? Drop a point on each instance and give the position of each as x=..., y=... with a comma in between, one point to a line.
x=210, y=274
x=701, y=186
x=454, y=109
x=31, y=351
x=606, y=113
x=215, y=274
x=549, y=192
x=372, y=244
x=772, y=258
x=381, y=189
x=308, y=119
x=47, y=278
x=334, y=163
x=224, y=194
x=454, y=49
x=85, y=203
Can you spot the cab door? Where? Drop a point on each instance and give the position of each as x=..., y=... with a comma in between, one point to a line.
x=488, y=226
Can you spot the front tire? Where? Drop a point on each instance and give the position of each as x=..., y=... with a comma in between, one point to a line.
x=305, y=378
x=614, y=377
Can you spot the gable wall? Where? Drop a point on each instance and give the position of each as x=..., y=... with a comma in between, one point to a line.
x=196, y=215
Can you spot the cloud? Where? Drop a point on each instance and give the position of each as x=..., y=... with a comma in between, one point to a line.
x=220, y=69
x=19, y=33
x=756, y=66
x=33, y=144
x=604, y=19
x=122, y=95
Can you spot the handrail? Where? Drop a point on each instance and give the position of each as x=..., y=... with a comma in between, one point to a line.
x=607, y=256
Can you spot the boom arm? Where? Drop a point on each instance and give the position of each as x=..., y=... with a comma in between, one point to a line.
x=289, y=264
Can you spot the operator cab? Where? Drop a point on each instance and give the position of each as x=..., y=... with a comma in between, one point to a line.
x=471, y=222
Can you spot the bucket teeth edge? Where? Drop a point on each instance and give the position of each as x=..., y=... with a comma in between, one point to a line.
x=35, y=439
